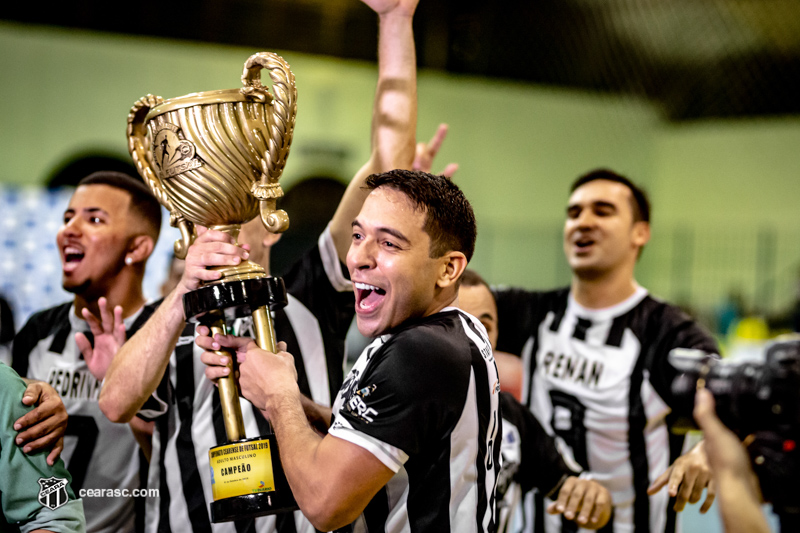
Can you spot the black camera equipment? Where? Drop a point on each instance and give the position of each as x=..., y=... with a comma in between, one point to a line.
x=759, y=400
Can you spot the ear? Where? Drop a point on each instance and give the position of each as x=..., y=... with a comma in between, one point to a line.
x=453, y=265
x=140, y=248
x=641, y=233
x=270, y=239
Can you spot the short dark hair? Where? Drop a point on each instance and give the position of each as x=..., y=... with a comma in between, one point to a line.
x=142, y=200
x=449, y=219
x=640, y=205
x=470, y=278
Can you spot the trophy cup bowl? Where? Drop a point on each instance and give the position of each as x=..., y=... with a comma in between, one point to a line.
x=214, y=159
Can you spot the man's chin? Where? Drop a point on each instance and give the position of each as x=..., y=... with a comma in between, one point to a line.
x=76, y=288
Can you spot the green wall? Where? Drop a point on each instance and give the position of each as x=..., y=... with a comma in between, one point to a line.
x=519, y=146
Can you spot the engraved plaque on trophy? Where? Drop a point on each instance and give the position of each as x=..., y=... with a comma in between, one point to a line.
x=214, y=159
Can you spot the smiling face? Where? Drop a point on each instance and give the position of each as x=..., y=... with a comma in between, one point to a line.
x=600, y=234
x=393, y=275
x=93, y=239
x=478, y=301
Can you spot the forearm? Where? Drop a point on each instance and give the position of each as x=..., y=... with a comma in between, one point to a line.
x=317, y=472
x=139, y=366
x=394, y=119
x=299, y=445
x=739, y=505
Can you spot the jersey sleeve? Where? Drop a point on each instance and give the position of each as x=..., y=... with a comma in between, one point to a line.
x=321, y=282
x=20, y=473
x=530, y=456
x=671, y=328
x=517, y=312
x=413, y=393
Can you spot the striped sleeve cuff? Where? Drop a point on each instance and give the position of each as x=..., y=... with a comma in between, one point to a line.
x=393, y=458
x=331, y=263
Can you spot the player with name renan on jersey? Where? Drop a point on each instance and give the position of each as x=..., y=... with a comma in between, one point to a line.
x=596, y=373
x=413, y=440
x=530, y=457
x=110, y=228
x=314, y=323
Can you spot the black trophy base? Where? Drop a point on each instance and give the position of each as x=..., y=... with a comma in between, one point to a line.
x=241, y=297
x=251, y=506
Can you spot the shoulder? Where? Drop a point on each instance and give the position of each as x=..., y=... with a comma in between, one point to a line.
x=434, y=346
x=664, y=326
x=525, y=297
x=39, y=326
x=43, y=321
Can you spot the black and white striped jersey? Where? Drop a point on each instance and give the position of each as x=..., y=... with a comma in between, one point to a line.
x=599, y=380
x=314, y=326
x=424, y=401
x=530, y=461
x=98, y=453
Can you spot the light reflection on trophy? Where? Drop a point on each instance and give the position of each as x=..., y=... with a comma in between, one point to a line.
x=214, y=159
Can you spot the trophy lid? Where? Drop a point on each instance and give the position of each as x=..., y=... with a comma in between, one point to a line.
x=208, y=97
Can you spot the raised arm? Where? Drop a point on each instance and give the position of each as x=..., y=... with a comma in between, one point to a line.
x=138, y=367
x=394, y=112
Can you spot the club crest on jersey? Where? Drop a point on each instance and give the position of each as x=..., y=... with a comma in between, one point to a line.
x=53, y=492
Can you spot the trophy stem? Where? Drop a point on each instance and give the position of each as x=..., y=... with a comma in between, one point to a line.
x=228, y=391
x=264, y=329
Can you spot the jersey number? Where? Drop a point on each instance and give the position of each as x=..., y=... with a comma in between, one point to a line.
x=567, y=423
x=85, y=429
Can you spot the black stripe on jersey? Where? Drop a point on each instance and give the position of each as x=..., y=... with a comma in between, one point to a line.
x=285, y=332
x=538, y=512
x=40, y=326
x=377, y=511
x=637, y=447
x=61, y=330
x=187, y=463
x=486, y=459
x=532, y=371
x=163, y=423
x=675, y=448
x=558, y=316
x=609, y=527
x=617, y=329
x=581, y=327
x=217, y=418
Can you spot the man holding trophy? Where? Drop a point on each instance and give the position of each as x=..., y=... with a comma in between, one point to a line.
x=320, y=302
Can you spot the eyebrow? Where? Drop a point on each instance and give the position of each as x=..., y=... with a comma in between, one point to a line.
x=598, y=203
x=393, y=232
x=89, y=210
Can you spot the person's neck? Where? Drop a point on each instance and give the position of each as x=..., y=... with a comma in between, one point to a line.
x=603, y=291
x=129, y=296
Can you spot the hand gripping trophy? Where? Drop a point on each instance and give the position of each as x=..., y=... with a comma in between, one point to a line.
x=214, y=159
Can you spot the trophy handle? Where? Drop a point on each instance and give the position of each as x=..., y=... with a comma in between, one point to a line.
x=284, y=109
x=136, y=146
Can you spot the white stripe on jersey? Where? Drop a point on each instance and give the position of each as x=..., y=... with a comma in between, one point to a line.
x=331, y=262
x=311, y=344
x=313, y=350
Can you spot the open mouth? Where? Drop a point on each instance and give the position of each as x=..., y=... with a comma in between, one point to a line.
x=368, y=297
x=584, y=242
x=72, y=257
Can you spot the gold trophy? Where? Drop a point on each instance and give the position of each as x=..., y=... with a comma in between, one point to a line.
x=214, y=159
